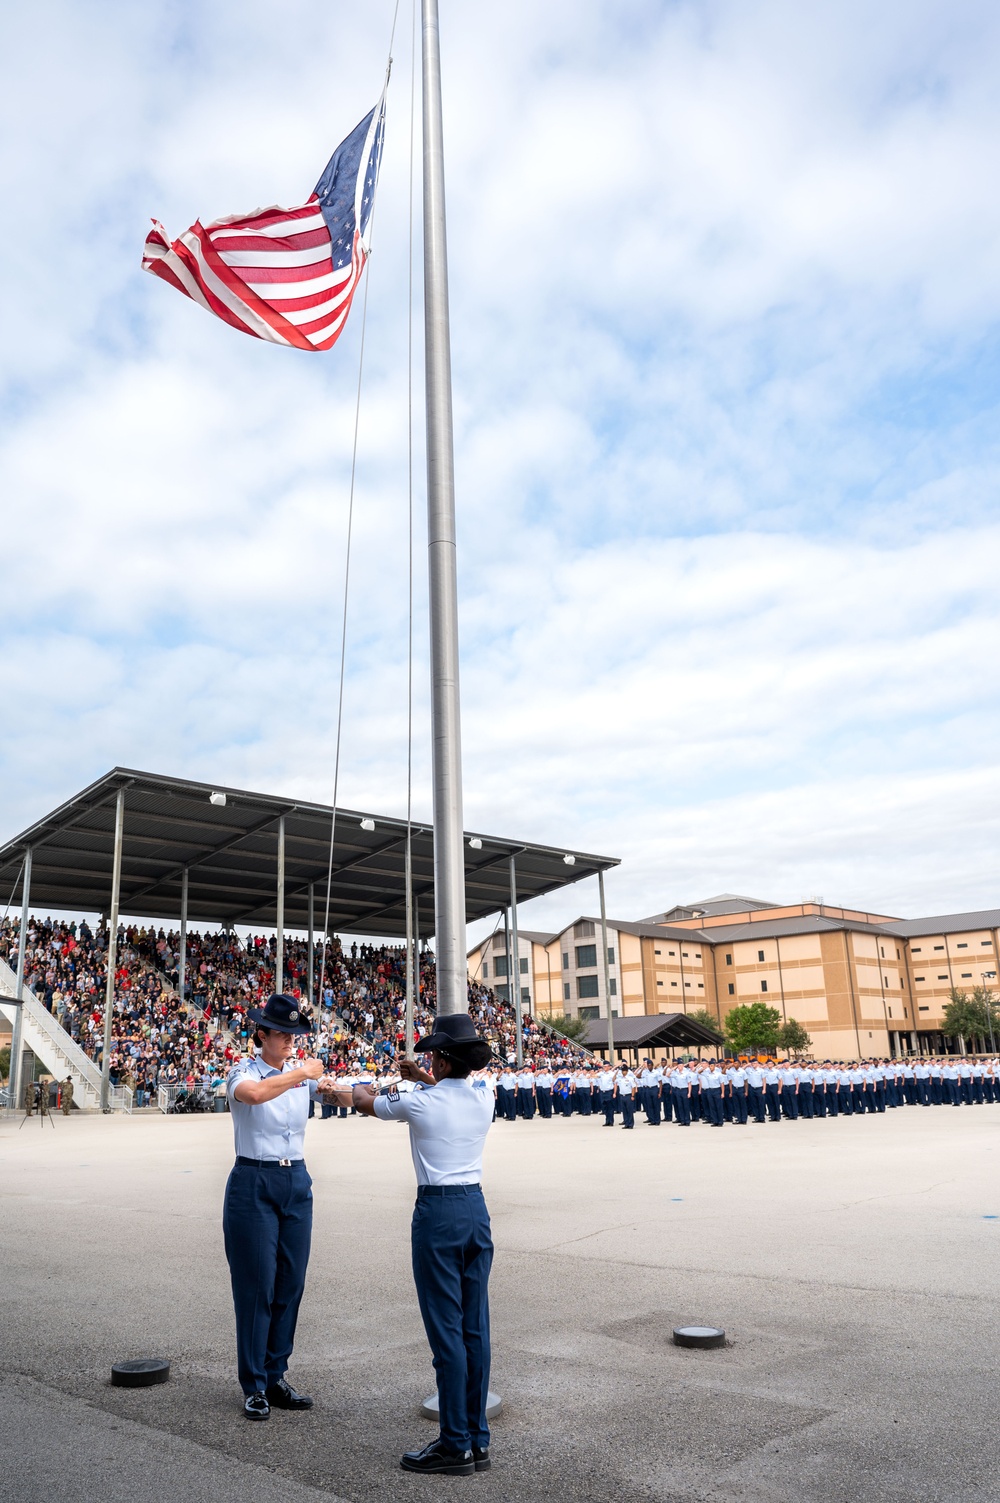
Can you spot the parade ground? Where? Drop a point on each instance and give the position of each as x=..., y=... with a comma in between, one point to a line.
x=853, y=1264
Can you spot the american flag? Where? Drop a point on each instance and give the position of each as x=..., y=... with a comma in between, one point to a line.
x=287, y=275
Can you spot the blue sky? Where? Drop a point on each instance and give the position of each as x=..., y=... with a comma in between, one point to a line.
x=725, y=301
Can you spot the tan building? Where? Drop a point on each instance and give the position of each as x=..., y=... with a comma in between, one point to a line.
x=860, y=983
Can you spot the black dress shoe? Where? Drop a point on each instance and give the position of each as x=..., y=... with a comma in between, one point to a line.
x=256, y=1407
x=281, y=1395
x=481, y=1458
x=434, y=1458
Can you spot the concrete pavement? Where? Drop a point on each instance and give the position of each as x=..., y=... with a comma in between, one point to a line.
x=851, y=1261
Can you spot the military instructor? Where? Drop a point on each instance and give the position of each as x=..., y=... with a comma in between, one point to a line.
x=267, y=1216
x=449, y=1116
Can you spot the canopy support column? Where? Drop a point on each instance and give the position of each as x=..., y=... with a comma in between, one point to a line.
x=279, y=922
x=604, y=967
x=311, y=942
x=14, y=1070
x=515, y=964
x=109, y=989
x=182, y=956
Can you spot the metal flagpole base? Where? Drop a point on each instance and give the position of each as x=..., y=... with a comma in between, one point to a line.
x=494, y=1404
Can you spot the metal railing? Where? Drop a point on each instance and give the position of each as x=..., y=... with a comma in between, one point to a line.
x=121, y=1100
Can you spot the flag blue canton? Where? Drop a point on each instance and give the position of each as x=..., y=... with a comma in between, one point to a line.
x=337, y=189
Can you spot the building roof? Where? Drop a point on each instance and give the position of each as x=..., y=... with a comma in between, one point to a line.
x=947, y=923
x=230, y=852
x=724, y=902
x=778, y=928
x=652, y=1031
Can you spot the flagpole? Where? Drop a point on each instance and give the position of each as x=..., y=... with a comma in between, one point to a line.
x=446, y=730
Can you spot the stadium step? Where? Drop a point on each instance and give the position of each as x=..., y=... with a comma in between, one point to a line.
x=45, y=1036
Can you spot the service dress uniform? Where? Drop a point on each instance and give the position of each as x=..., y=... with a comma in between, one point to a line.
x=452, y=1245
x=267, y=1218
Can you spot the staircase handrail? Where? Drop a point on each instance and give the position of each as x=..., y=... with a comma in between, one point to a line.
x=56, y=1033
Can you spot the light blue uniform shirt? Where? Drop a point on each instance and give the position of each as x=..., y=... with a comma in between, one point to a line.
x=273, y=1129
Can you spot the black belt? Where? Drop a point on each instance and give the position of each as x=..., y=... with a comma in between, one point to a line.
x=268, y=1163
x=448, y=1190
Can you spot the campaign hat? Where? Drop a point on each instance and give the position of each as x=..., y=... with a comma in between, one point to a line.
x=454, y=1033
x=282, y=1013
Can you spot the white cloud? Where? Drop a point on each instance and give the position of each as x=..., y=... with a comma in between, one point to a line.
x=724, y=315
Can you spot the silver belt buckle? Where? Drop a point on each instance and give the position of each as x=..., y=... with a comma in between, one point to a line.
x=285, y=1163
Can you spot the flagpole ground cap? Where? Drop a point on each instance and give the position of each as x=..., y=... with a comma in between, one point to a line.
x=699, y=1336
x=143, y=1372
x=429, y=1408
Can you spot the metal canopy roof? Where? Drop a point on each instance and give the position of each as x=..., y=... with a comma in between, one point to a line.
x=230, y=852
x=651, y=1031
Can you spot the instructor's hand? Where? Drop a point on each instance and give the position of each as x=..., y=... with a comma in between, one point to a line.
x=409, y=1069
x=312, y=1069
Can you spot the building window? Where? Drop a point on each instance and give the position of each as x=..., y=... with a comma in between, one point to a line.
x=684, y=955
x=890, y=1012
x=763, y=986
x=586, y=986
x=611, y=954
x=499, y=941
x=499, y=965
x=503, y=992
x=697, y=957
x=760, y=954
x=584, y=930
x=659, y=983
x=732, y=989
x=565, y=961
x=586, y=955
x=962, y=946
x=885, y=981
x=565, y=991
x=702, y=985
x=657, y=952
x=966, y=975
x=914, y=949
x=524, y=965
x=687, y=983
x=897, y=952
x=670, y=952
x=942, y=978
x=589, y=1012
x=526, y=996
x=673, y=983
x=486, y=970
x=613, y=986
x=924, y=1009
x=918, y=978
x=881, y=950
x=939, y=947
x=729, y=960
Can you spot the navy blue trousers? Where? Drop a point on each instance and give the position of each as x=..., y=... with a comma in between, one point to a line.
x=543, y=1096
x=628, y=1109
x=772, y=1098
x=452, y=1256
x=711, y=1105
x=267, y=1224
x=652, y=1105
x=755, y=1101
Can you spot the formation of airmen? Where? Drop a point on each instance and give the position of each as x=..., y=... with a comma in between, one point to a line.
x=741, y=1091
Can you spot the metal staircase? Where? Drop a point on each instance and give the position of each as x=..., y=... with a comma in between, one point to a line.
x=46, y=1038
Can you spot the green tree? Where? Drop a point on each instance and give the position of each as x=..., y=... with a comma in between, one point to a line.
x=965, y=1018
x=753, y=1028
x=571, y=1028
x=793, y=1037
x=4, y=1063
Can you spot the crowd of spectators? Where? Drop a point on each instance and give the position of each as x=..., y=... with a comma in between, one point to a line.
x=160, y=1038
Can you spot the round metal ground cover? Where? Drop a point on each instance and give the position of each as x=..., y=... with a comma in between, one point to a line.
x=494, y=1404
x=141, y=1373
x=699, y=1336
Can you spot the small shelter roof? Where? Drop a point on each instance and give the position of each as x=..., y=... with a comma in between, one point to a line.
x=229, y=849
x=652, y=1031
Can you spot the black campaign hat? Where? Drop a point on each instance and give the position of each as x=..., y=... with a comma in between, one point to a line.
x=455, y=1033
x=283, y=1014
